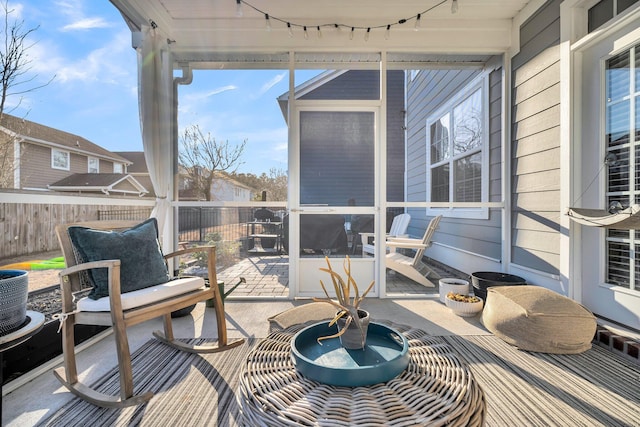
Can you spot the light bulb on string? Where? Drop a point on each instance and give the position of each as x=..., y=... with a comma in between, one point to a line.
x=266, y=17
x=366, y=35
x=454, y=6
x=239, y=8
x=351, y=33
x=306, y=34
x=338, y=28
x=387, y=33
x=319, y=32
x=416, y=27
x=290, y=29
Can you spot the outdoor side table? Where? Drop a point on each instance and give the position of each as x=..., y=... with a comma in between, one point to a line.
x=31, y=326
x=437, y=388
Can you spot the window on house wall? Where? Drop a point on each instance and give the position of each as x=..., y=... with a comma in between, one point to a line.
x=622, y=138
x=93, y=165
x=456, y=143
x=118, y=168
x=60, y=159
x=605, y=10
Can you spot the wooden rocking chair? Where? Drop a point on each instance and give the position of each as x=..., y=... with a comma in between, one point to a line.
x=413, y=268
x=123, y=309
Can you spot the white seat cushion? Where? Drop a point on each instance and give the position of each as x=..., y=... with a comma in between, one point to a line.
x=144, y=296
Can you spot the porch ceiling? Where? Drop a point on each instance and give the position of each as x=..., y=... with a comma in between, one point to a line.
x=208, y=33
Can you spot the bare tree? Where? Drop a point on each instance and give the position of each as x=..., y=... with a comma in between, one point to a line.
x=203, y=158
x=15, y=81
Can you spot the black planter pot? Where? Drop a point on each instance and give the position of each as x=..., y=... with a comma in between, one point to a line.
x=485, y=279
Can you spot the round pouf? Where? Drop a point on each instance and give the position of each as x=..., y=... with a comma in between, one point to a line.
x=536, y=319
x=14, y=289
x=457, y=286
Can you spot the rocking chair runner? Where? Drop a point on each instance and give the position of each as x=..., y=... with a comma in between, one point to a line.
x=123, y=309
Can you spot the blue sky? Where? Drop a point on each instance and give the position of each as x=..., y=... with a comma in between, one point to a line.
x=86, y=45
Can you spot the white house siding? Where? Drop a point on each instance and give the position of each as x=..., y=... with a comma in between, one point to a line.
x=535, y=152
x=425, y=94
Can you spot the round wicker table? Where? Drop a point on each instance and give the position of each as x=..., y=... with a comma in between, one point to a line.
x=437, y=388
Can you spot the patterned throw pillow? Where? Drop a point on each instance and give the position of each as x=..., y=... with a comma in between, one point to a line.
x=138, y=249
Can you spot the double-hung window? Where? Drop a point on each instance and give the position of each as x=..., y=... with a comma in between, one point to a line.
x=457, y=166
x=93, y=165
x=622, y=140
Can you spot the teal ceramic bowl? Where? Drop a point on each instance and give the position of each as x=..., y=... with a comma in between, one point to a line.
x=384, y=357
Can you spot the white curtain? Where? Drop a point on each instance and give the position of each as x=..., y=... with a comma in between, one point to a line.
x=155, y=93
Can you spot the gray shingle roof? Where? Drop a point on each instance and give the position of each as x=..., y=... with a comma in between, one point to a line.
x=38, y=133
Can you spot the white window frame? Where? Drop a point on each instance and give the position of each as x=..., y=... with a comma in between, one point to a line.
x=115, y=167
x=632, y=238
x=97, y=164
x=65, y=154
x=480, y=83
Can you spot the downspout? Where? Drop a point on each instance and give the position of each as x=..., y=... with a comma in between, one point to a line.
x=506, y=162
x=185, y=79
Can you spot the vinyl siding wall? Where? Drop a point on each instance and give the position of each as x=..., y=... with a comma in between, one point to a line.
x=429, y=90
x=36, y=170
x=536, y=143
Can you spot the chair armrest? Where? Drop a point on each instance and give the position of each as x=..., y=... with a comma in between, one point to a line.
x=179, y=252
x=365, y=237
x=406, y=243
x=113, y=265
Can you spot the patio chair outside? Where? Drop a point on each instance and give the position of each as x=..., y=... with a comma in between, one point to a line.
x=413, y=268
x=123, y=309
x=398, y=229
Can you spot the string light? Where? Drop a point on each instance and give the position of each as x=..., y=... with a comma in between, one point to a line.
x=454, y=6
x=338, y=26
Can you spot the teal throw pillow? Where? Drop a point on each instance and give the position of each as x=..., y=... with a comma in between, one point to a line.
x=138, y=249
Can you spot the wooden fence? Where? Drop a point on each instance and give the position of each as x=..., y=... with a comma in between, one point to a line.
x=29, y=228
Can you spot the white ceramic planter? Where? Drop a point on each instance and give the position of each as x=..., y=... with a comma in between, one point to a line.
x=465, y=309
x=457, y=286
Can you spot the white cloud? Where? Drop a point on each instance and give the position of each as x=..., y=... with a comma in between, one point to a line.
x=87, y=24
x=73, y=10
x=99, y=65
x=271, y=83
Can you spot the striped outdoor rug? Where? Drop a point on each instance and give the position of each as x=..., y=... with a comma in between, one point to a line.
x=596, y=388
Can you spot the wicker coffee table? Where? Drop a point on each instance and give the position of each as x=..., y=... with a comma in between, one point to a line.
x=437, y=388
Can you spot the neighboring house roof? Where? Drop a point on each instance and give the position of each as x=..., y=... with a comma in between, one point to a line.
x=102, y=182
x=44, y=135
x=138, y=162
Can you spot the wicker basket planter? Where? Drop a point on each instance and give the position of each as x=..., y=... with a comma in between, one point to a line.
x=14, y=288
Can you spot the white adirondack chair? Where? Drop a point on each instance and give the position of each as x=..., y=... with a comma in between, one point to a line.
x=398, y=229
x=413, y=268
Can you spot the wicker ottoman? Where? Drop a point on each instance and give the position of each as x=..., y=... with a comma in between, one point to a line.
x=536, y=319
